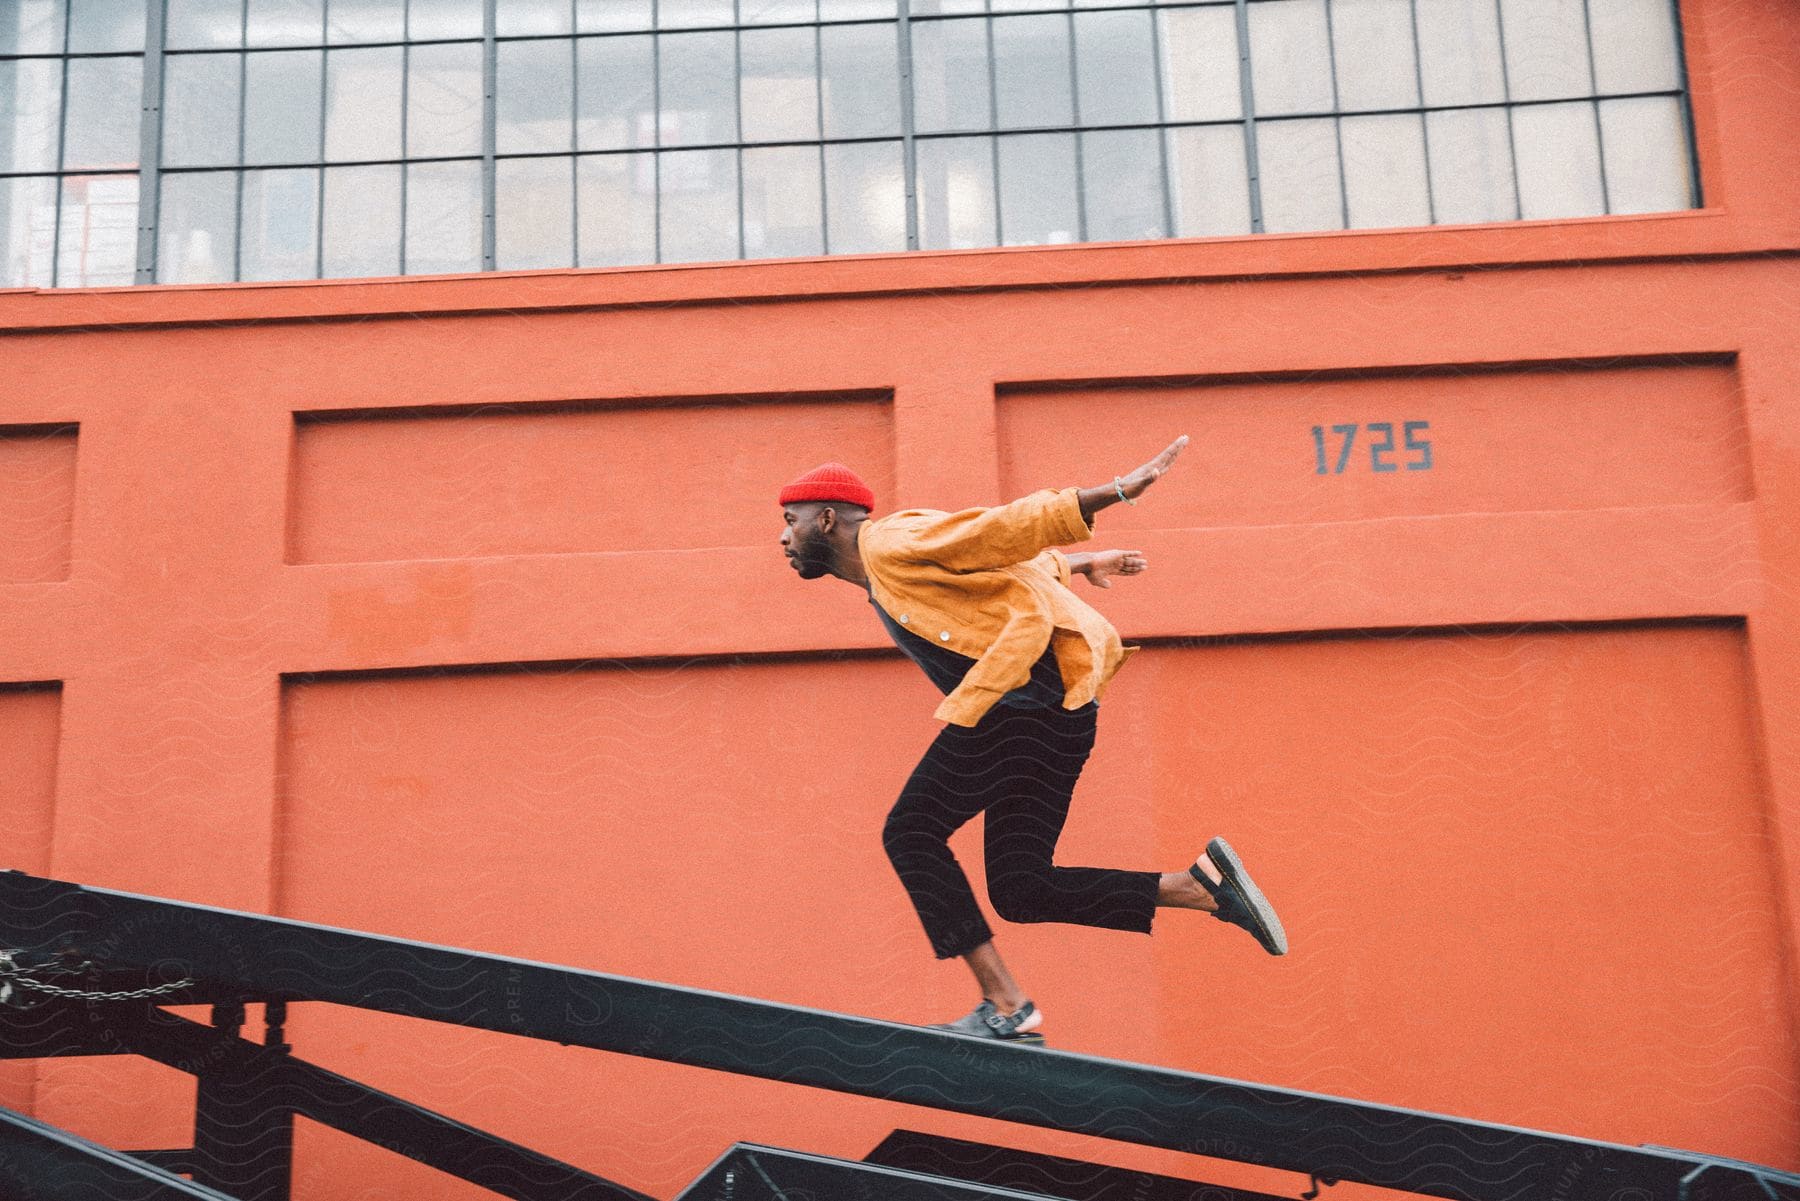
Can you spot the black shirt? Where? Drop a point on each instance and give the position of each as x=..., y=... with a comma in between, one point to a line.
x=946, y=668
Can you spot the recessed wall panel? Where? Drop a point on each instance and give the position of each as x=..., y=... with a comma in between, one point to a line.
x=549, y=479
x=1338, y=446
x=37, y=502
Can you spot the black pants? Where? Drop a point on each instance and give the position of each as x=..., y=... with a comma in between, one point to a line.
x=1019, y=766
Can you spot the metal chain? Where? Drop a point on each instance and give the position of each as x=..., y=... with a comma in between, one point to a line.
x=11, y=974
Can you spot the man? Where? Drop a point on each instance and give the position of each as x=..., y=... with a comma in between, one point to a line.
x=982, y=604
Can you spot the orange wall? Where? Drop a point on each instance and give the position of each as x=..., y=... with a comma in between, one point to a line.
x=453, y=609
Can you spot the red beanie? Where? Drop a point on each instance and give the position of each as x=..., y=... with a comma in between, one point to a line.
x=831, y=481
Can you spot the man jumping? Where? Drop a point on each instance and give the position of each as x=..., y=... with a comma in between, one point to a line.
x=981, y=602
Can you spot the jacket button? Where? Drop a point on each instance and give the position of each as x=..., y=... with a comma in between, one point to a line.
x=945, y=636
x=903, y=619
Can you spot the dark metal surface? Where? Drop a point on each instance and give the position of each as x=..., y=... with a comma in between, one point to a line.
x=39, y=1162
x=750, y=1172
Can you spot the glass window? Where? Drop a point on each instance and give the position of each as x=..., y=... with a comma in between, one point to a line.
x=1459, y=52
x=443, y=218
x=1384, y=171
x=106, y=26
x=1200, y=64
x=286, y=23
x=444, y=19
x=362, y=105
x=605, y=16
x=31, y=27
x=1121, y=185
x=105, y=99
x=1209, y=181
x=1634, y=45
x=362, y=222
x=96, y=239
x=616, y=195
x=1646, y=155
x=1037, y=189
x=534, y=213
x=1290, y=57
x=777, y=12
x=280, y=235
x=31, y=99
x=443, y=100
x=1471, y=166
x=534, y=94
x=950, y=75
x=692, y=14
x=1031, y=72
x=697, y=220
x=861, y=65
x=856, y=10
x=200, y=110
x=617, y=89
x=782, y=202
x=365, y=21
x=1372, y=47
x=203, y=24
x=1546, y=48
x=1558, y=159
x=780, y=85
x=197, y=228
x=27, y=231
x=865, y=198
x=1115, y=68
x=281, y=106
x=699, y=89
x=955, y=193
x=1299, y=172
x=531, y=18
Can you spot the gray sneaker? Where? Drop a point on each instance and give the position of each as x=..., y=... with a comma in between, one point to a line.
x=988, y=1022
x=1241, y=902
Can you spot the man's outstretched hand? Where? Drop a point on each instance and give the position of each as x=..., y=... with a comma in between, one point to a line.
x=1132, y=484
x=1103, y=564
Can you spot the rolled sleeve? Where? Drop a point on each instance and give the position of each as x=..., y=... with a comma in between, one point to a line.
x=978, y=539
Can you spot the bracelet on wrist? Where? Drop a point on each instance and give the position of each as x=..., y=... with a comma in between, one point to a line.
x=1120, y=489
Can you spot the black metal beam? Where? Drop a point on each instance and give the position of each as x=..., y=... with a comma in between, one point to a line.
x=1308, y=1133
x=39, y=1162
x=750, y=1172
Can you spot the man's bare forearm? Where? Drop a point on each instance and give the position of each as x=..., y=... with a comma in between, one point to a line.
x=1094, y=499
x=1079, y=561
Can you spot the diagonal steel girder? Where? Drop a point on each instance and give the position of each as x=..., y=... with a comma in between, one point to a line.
x=1303, y=1132
x=40, y=1162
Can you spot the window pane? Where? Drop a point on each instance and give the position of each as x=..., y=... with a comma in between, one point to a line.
x=196, y=234
x=525, y=18
x=1121, y=180
x=1634, y=46
x=1546, y=48
x=534, y=213
x=362, y=104
x=286, y=23
x=105, y=97
x=1298, y=166
x=1031, y=72
x=443, y=100
x=31, y=27
x=1646, y=155
x=1209, y=181
x=534, y=97
x=865, y=198
x=1037, y=189
x=775, y=12
x=956, y=193
x=366, y=21
x=1384, y=171
x=862, y=80
x=617, y=194
x=699, y=89
x=617, y=91
x=1471, y=166
x=698, y=221
x=362, y=221
x=444, y=19
x=1290, y=64
x=281, y=107
x=202, y=24
x=1459, y=52
x=687, y=14
x=443, y=218
x=1116, y=68
x=1200, y=64
x=930, y=7
x=98, y=26
x=782, y=203
x=31, y=99
x=856, y=10
x=780, y=85
x=1372, y=45
x=27, y=232
x=200, y=110
x=1559, y=161
x=96, y=246
x=950, y=75
x=602, y=16
x=280, y=224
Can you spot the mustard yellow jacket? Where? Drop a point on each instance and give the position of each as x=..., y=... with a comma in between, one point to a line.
x=985, y=583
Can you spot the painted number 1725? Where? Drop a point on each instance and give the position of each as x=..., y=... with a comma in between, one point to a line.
x=1380, y=442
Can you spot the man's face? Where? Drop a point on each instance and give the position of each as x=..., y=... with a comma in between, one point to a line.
x=804, y=542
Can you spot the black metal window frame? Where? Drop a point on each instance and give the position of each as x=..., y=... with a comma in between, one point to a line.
x=150, y=169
